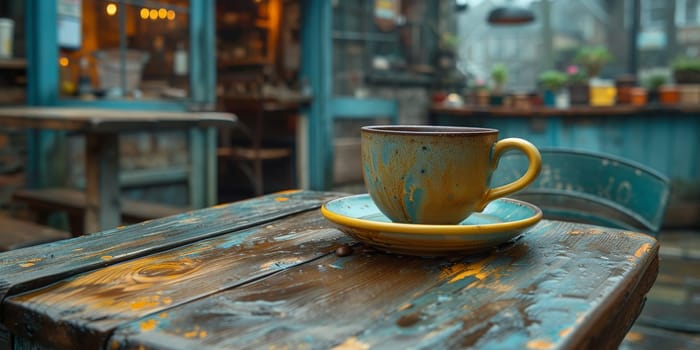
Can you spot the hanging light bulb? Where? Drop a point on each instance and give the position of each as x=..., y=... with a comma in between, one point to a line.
x=111, y=9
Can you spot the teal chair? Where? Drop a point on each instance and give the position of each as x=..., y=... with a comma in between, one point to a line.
x=593, y=188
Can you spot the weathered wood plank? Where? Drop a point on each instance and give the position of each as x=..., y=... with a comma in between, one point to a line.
x=97, y=119
x=83, y=310
x=561, y=285
x=34, y=267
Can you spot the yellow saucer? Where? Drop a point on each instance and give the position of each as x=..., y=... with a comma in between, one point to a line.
x=502, y=220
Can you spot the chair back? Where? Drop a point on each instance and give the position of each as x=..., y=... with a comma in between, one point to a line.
x=593, y=188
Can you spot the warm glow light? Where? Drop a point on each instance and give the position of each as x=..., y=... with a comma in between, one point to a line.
x=111, y=9
x=63, y=61
x=162, y=13
x=144, y=13
x=171, y=15
x=153, y=14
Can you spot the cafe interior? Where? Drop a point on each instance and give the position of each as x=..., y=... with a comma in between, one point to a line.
x=617, y=81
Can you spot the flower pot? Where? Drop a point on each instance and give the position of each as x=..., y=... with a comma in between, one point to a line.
x=481, y=98
x=496, y=100
x=687, y=77
x=602, y=93
x=521, y=101
x=689, y=94
x=638, y=96
x=653, y=96
x=624, y=85
x=579, y=94
x=549, y=98
x=669, y=95
x=561, y=99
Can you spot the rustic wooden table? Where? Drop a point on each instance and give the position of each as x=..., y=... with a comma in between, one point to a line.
x=264, y=274
x=101, y=128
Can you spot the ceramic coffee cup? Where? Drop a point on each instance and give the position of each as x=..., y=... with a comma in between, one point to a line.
x=437, y=174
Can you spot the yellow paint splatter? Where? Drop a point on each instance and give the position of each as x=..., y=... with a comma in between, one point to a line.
x=477, y=269
x=106, y=257
x=163, y=315
x=195, y=333
x=288, y=191
x=539, y=344
x=167, y=300
x=564, y=332
x=140, y=304
x=351, y=344
x=30, y=262
x=404, y=307
x=281, y=199
x=148, y=325
x=642, y=250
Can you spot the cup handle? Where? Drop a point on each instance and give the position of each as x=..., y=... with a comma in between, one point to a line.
x=533, y=169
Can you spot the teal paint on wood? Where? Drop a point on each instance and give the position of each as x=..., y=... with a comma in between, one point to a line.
x=212, y=175
x=316, y=45
x=202, y=53
x=261, y=274
x=152, y=105
x=22, y=269
x=600, y=188
x=668, y=143
x=45, y=149
x=365, y=108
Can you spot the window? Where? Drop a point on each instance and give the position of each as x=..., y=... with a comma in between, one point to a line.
x=653, y=13
x=124, y=49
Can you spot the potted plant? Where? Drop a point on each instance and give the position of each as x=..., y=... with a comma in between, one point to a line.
x=481, y=93
x=594, y=58
x=686, y=70
x=499, y=75
x=553, y=82
x=653, y=82
x=578, y=86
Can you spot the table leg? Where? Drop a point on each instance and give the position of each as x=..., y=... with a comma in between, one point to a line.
x=102, y=207
x=203, y=173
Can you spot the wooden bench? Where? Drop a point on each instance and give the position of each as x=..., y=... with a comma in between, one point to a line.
x=72, y=202
x=15, y=233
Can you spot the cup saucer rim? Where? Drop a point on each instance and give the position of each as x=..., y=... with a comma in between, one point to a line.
x=458, y=229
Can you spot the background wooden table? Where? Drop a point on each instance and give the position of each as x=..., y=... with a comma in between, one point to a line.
x=101, y=128
x=263, y=273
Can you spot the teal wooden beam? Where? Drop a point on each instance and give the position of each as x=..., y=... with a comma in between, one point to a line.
x=366, y=108
x=316, y=68
x=203, y=54
x=46, y=149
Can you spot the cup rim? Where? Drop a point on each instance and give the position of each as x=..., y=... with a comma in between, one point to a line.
x=427, y=130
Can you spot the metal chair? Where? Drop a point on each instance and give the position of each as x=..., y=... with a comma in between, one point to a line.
x=592, y=188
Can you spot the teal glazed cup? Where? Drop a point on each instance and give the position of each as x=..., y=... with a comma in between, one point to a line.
x=437, y=174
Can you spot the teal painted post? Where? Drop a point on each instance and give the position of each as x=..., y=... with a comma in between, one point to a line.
x=46, y=150
x=203, y=173
x=197, y=180
x=203, y=54
x=316, y=66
